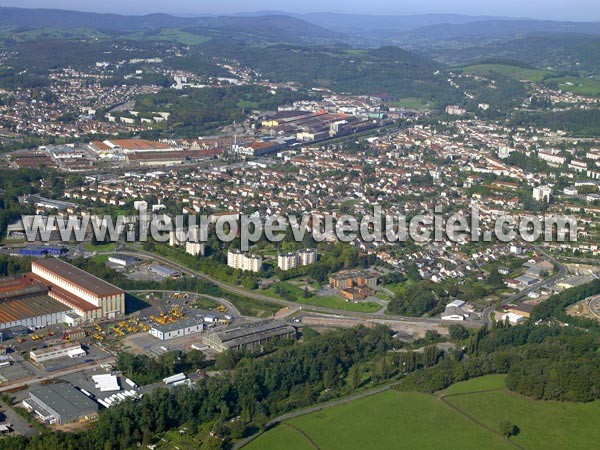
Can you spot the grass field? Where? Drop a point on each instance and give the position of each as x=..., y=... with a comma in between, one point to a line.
x=100, y=259
x=477, y=384
x=408, y=102
x=329, y=301
x=281, y=437
x=405, y=420
x=340, y=303
x=391, y=420
x=518, y=73
x=543, y=425
x=171, y=34
x=576, y=85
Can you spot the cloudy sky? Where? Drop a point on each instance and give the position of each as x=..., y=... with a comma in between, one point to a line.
x=588, y=10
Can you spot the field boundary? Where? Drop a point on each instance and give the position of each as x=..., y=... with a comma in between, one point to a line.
x=443, y=399
x=302, y=433
x=312, y=409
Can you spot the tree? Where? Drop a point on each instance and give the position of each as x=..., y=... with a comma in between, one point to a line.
x=458, y=332
x=507, y=429
x=212, y=443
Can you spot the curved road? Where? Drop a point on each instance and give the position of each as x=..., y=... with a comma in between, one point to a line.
x=283, y=303
x=230, y=306
x=562, y=271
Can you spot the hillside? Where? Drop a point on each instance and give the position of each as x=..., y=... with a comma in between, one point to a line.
x=445, y=421
x=388, y=71
x=564, y=51
x=278, y=27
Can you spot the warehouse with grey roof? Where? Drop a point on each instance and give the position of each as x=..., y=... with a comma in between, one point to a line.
x=250, y=336
x=60, y=403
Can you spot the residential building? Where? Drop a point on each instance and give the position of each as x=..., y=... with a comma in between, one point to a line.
x=244, y=261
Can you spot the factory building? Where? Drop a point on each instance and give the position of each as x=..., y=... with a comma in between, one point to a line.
x=165, y=271
x=87, y=295
x=24, y=302
x=60, y=403
x=123, y=260
x=177, y=329
x=71, y=350
x=250, y=336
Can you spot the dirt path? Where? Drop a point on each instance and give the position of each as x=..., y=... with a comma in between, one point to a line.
x=444, y=399
x=304, y=435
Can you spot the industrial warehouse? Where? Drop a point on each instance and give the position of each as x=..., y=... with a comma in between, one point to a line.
x=250, y=336
x=89, y=296
x=56, y=292
x=60, y=403
x=24, y=302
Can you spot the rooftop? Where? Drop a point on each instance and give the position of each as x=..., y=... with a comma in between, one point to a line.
x=168, y=327
x=86, y=281
x=64, y=399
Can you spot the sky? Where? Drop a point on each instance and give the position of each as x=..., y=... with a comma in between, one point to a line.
x=584, y=10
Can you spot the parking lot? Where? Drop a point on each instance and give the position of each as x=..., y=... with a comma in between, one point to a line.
x=94, y=354
x=18, y=369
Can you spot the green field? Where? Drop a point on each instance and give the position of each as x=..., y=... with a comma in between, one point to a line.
x=171, y=34
x=518, y=73
x=391, y=420
x=477, y=384
x=576, y=85
x=543, y=425
x=340, y=303
x=296, y=294
x=406, y=420
x=408, y=102
x=100, y=259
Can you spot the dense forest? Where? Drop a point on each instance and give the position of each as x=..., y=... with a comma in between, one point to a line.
x=388, y=71
x=581, y=122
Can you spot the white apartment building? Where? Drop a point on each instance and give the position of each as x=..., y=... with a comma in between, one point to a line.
x=244, y=261
x=542, y=194
x=288, y=261
x=552, y=157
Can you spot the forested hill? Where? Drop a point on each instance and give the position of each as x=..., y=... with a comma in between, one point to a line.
x=389, y=71
x=278, y=27
x=558, y=51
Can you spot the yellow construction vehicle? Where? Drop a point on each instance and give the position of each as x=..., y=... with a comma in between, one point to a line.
x=221, y=309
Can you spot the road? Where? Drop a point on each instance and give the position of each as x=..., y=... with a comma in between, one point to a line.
x=283, y=303
x=25, y=382
x=562, y=271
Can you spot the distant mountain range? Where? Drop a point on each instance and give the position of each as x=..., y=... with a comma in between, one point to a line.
x=349, y=28
x=280, y=27
x=436, y=26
